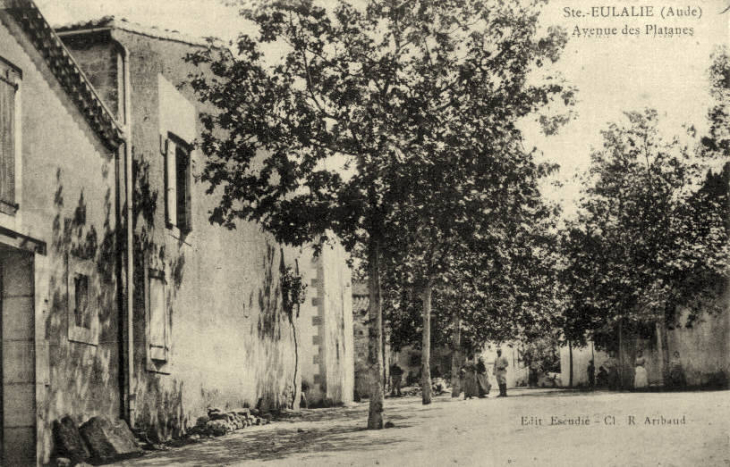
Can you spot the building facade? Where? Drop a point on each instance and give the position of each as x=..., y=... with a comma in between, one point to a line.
x=197, y=283
x=59, y=232
x=118, y=297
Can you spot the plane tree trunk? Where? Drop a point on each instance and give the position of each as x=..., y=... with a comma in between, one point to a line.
x=426, y=347
x=375, y=343
x=455, y=355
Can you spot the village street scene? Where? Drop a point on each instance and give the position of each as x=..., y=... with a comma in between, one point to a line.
x=364, y=232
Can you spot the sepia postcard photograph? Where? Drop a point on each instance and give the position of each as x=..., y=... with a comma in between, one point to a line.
x=364, y=233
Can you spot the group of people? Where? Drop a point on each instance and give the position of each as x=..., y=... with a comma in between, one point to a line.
x=474, y=380
x=608, y=374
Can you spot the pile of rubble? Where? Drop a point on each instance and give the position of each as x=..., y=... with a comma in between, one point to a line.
x=438, y=386
x=219, y=423
x=98, y=440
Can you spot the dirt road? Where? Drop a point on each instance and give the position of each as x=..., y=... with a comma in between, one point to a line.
x=531, y=427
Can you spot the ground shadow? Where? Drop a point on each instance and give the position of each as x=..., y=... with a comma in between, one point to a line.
x=268, y=445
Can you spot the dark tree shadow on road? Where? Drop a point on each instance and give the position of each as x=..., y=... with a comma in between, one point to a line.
x=268, y=445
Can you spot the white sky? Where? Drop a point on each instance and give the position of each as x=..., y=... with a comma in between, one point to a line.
x=613, y=74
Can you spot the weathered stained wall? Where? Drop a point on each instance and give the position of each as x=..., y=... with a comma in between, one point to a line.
x=327, y=351
x=232, y=343
x=704, y=350
x=68, y=201
x=309, y=327
x=337, y=329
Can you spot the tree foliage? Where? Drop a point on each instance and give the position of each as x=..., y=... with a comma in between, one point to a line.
x=377, y=121
x=647, y=240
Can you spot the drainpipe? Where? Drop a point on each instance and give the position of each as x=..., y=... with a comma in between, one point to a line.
x=126, y=101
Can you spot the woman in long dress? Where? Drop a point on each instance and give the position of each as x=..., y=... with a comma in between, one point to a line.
x=469, y=381
x=640, y=379
x=482, y=381
x=677, y=378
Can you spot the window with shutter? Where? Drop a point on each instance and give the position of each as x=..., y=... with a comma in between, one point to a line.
x=158, y=317
x=171, y=183
x=182, y=172
x=9, y=85
x=178, y=184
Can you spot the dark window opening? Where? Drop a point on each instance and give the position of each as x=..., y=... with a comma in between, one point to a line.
x=81, y=293
x=182, y=163
x=178, y=181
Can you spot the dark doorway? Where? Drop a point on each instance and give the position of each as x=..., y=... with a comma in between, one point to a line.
x=17, y=365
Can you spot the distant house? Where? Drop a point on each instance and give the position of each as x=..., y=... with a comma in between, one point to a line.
x=118, y=297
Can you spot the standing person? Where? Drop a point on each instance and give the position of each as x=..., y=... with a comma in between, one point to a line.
x=602, y=378
x=591, y=374
x=482, y=381
x=500, y=372
x=611, y=366
x=396, y=374
x=469, y=381
x=677, y=378
x=640, y=378
x=534, y=375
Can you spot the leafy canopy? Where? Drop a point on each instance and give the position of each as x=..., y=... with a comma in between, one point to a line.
x=330, y=117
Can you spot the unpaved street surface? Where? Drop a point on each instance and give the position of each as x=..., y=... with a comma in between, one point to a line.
x=515, y=431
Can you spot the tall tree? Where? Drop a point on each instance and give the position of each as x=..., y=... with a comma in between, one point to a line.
x=321, y=120
x=646, y=241
x=470, y=69
x=501, y=288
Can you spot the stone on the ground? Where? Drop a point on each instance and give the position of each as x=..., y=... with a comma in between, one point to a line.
x=216, y=428
x=63, y=462
x=243, y=411
x=107, y=440
x=68, y=440
x=201, y=421
x=218, y=416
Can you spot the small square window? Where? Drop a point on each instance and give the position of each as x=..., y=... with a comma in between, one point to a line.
x=83, y=308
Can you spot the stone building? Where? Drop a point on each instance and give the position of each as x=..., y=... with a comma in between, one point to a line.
x=209, y=325
x=118, y=297
x=60, y=276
